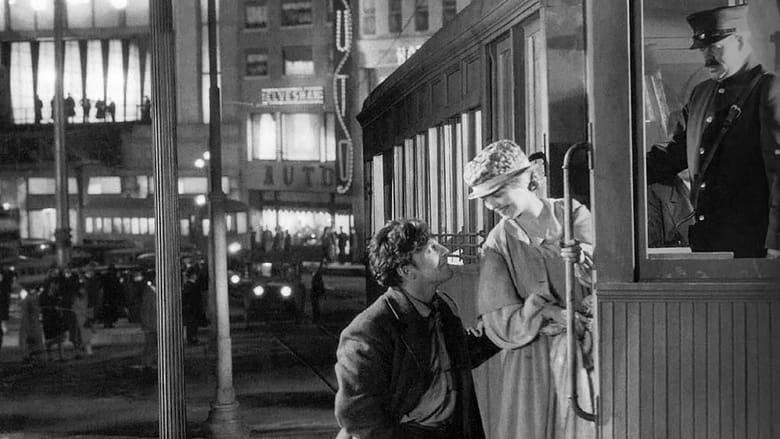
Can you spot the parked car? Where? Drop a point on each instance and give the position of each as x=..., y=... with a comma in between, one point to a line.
x=269, y=285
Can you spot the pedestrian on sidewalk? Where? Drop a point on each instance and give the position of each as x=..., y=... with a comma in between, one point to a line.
x=30, y=328
x=112, y=296
x=317, y=290
x=6, y=282
x=148, y=317
x=53, y=321
x=71, y=284
x=83, y=325
x=192, y=306
x=93, y=288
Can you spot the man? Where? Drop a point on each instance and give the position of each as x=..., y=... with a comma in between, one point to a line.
x=6, y=282
x=404, y=364
x=735, y=189
x=317, y=290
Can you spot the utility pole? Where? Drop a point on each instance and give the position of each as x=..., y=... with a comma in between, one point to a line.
x=172, y=413
x=223, y=420
x=62, y=231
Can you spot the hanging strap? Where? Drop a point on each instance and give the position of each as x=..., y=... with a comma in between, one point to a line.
x=734, y=112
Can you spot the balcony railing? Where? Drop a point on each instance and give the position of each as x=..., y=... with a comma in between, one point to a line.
x=33, y=144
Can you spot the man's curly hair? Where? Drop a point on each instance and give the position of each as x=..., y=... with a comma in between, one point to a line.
x=393, y=246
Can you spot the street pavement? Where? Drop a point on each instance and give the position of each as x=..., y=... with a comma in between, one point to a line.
x=282, y=374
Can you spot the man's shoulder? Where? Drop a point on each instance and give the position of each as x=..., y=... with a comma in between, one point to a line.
x=377, y=316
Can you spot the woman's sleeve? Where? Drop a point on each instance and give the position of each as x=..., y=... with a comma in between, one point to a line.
x=510, y=322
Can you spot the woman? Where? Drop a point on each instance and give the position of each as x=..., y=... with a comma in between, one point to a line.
x=521, y=296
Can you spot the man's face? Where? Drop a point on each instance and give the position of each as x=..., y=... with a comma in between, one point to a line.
x=725, y=57
x=431, y=263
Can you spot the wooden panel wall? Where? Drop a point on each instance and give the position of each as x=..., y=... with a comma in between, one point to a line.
x=704, y=365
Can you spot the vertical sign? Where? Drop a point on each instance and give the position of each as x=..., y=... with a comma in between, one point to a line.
x=341, y=95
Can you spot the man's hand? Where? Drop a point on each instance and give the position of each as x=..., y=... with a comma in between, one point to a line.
x=772, y=253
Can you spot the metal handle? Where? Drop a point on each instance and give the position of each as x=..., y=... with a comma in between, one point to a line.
x=568, y=240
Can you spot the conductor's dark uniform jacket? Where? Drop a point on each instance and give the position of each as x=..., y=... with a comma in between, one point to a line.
x=739, y=193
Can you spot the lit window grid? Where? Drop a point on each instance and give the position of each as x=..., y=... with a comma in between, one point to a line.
x=269, y=140
x=126, y=94
x=296, y=13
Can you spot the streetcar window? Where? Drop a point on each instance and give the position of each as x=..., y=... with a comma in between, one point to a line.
x=670, y=115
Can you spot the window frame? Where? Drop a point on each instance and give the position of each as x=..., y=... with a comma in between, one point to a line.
x=615, y=107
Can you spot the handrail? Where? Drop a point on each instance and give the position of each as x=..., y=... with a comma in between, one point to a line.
x=570, y=258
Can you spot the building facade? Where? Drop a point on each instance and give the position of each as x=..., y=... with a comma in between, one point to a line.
x=278, y=122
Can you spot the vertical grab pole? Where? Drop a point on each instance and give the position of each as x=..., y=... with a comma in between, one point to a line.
x=570, y=260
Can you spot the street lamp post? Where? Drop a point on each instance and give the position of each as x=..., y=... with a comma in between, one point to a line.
x=62, y=232
x=223, y=420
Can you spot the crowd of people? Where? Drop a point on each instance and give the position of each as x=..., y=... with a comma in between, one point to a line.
x=335, y=246
x=73, y=304
x=104, y=109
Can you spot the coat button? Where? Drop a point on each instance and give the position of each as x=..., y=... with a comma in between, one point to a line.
x=708, y=119
x=701, y=217
x=703, y=185
x=701, y=151
x=721, y=91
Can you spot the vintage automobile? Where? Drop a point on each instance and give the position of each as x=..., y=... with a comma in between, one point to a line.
x=268, y=285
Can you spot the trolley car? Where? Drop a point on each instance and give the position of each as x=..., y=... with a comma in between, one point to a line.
x=688, y=344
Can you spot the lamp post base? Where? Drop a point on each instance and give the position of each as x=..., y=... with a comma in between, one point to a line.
x=224, y=422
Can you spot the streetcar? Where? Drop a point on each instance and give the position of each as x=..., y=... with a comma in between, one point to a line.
x=688, y=344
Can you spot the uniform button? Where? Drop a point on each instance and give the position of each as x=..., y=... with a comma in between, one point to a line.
x=701, y=217
x=721, y=90
x=701, y=151
x=708, y=119
x=703, y=184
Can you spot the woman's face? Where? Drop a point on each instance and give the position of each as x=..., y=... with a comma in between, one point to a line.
x=512, y=199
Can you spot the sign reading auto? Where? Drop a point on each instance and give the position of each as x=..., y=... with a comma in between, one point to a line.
x=291, y=96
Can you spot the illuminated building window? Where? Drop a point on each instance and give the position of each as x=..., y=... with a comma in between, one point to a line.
x=104, y=185
x=296, y=12
x=95, y=79
x=368, y=11
x=98, y=225
x=117, y=224
x=133, y=84
x=449, y=9
x=262, y=137
x=257, y=63
x=298, y=60
x=421, y=15
x=47, y=186
x=184, y=227
x=241, y=223
x=193, y=185
x=22, y=93
x=115, y=83
x=107, y=225
x=256, y=15
x=88, y=225
x=135, y=186
x=394, y=17
x=303, y=136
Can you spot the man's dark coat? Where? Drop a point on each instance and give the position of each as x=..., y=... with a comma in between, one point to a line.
x=739, y=193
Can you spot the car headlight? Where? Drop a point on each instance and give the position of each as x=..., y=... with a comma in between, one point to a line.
x=258, y=290
x=285, y=291
x=234, y=279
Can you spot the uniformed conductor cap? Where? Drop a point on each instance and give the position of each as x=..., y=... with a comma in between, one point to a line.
x=713, y=25
x=493, y=167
